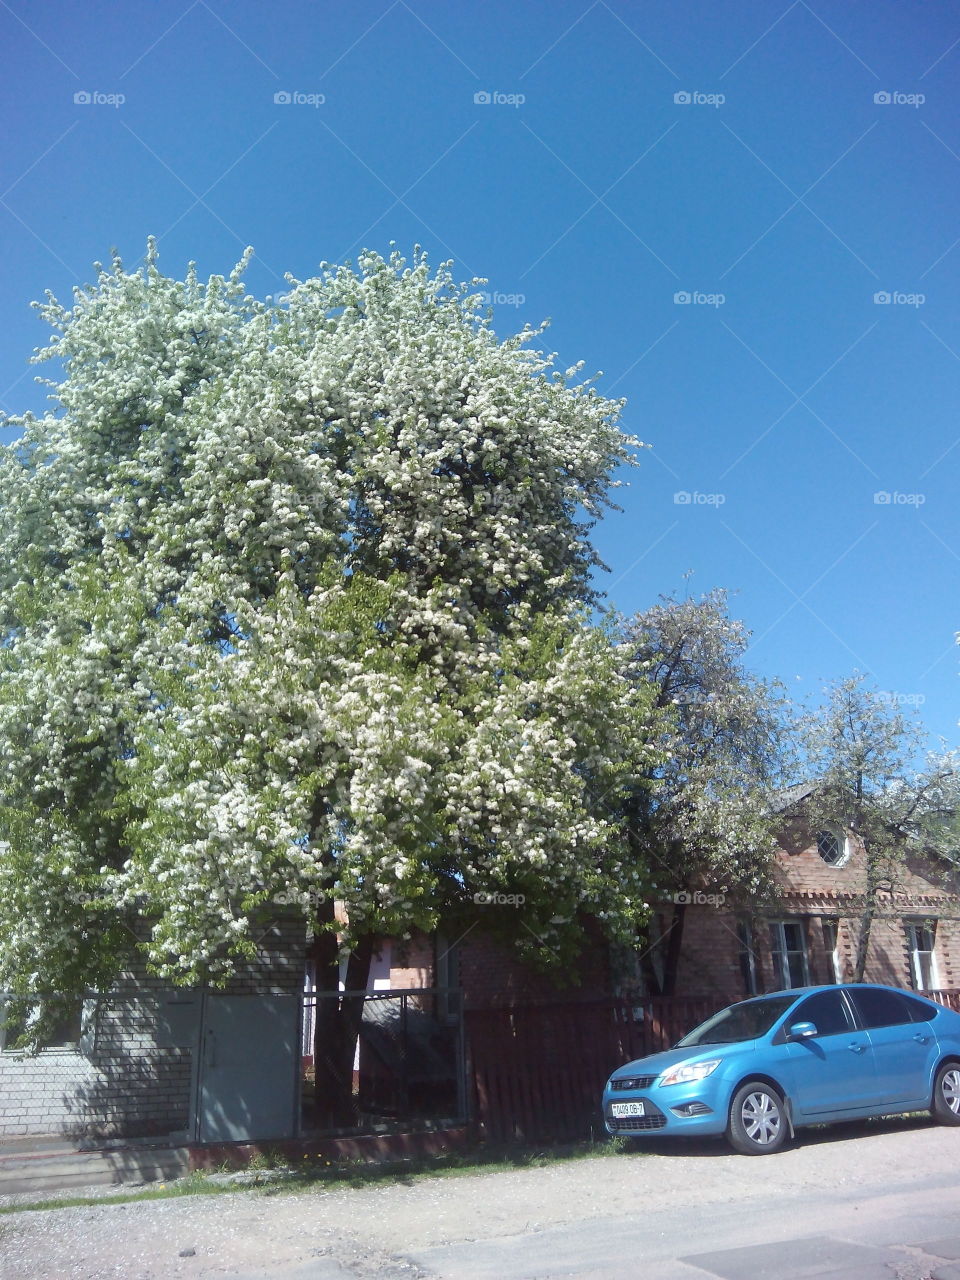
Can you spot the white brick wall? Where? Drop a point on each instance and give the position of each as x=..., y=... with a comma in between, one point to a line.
x=124, y=1085
x=133, y=1077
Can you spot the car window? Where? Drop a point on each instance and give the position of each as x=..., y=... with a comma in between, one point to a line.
x=826, y=1010
x=879, y=1008
x=744, y=1021
x=920, y=1010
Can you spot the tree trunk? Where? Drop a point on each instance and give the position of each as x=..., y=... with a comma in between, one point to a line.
x=863, y=942
x=337, y=1025
x=671, y=963
x=867, y=917
x=664, y=982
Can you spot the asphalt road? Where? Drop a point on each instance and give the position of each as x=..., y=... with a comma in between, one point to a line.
x=878, y=1201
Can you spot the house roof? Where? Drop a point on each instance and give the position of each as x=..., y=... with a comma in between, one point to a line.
x=790, y=796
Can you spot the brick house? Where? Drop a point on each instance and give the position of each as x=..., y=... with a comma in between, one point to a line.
x=809, y=932
x=487, y=971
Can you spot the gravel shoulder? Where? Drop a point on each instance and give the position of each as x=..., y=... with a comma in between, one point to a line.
x=375, y=1230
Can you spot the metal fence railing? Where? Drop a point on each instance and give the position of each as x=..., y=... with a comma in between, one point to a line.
x=400, y=1059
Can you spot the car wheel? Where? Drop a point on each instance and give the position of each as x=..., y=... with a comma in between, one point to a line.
x=946, y=1094
x=758, y=1122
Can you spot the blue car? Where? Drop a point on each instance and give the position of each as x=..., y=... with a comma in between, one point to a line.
x=762, y=1068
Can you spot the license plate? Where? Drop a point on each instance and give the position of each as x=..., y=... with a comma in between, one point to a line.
x=618, y=1109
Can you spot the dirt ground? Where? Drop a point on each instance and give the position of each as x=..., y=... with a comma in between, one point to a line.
x=381, y=1229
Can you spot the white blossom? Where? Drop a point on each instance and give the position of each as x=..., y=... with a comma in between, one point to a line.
x=291, y=603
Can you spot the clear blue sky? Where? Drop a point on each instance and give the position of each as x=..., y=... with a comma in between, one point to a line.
x=781, y=411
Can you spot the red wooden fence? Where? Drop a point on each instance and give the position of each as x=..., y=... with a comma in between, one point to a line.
x=538, y=1070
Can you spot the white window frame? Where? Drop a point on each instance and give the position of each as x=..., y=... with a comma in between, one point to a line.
x=831, y=925
x=843, y=844
x=918, y=932
x=749, y=969
x=780, y=952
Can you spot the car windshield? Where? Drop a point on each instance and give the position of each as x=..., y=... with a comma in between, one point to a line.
x=744, y=1021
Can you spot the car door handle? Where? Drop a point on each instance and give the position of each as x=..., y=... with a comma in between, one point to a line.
x=921, y=1039
x=856, y=1048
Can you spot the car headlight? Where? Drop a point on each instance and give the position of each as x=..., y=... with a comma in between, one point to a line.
x=687, y=1072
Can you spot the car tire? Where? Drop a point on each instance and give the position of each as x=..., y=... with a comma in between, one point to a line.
x=758, y=1123
x=946, y=1094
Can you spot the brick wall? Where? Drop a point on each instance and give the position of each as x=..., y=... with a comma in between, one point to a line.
x=132, y=1073
x=822, y=898
x=918, y=890
x=710, y=954
x=412, y=962
x=490, y=972
x=119, y=1081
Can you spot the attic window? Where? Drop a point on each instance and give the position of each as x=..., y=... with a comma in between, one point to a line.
x=832, y=847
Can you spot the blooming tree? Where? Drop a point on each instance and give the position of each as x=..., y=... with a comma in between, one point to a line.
x=292, y=601
x=705, y=820
x=873, y=777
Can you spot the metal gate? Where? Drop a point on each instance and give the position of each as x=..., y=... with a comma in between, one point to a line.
x=408, y=1060
x=247, y=1086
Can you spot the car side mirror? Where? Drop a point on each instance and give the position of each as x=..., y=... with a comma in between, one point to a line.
x=802, y=1030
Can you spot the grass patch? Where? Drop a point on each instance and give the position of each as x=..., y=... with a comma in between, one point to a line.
x=314, y=1173
x=197, y=1183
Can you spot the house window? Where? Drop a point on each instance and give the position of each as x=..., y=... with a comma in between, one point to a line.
x=748, y=958
x=447, y=978
x=788, y=945
x=832, y=847
x=922, y=941
x=831, y=947
x=64, y=1032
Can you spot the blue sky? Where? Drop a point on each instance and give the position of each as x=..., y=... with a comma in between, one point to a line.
x=783, y=166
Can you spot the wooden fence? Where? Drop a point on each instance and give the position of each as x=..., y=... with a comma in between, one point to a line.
x=538, y=1070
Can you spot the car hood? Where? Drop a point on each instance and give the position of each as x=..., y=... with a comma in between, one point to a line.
x=659, y=1062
